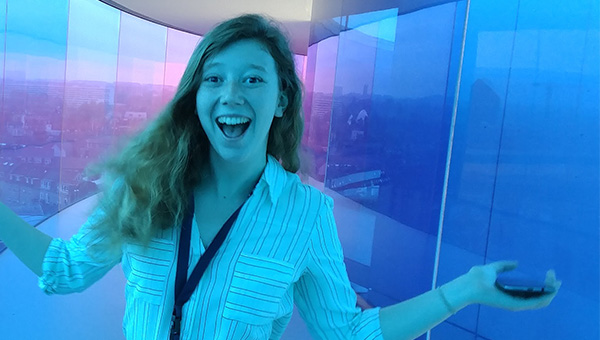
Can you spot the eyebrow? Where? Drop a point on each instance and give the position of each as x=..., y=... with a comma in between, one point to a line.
x=254, y=66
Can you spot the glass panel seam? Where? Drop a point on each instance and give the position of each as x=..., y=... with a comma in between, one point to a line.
x=337, y=58
x=449, y=156
x=64, y=91
x=450, y=146
x=164, y=80
x=4, y=58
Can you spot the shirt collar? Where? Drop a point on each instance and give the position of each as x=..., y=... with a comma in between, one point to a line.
x=275, y=177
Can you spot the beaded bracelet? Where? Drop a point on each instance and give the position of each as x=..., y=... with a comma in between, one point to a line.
x=448, y=305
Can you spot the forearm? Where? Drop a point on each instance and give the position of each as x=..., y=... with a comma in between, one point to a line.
x=411, y=318
x=26, y=242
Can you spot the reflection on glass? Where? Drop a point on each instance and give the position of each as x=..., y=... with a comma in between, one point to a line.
x=390, y=117
x=32, y=106
x=62, y=106
x=524, y=179
x=140, y=74
x=91, y=72
x=378, y=132
x=318, y=113
x=180, y=46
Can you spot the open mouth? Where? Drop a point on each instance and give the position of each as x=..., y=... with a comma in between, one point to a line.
x=233, y=129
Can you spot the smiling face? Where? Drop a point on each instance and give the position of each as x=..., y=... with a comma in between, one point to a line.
x=237, y=101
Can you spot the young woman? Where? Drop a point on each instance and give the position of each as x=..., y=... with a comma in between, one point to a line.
x=214, y=176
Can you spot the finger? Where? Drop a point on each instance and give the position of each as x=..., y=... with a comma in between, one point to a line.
x=556, y=285
x=550, y=277
x=503, y=266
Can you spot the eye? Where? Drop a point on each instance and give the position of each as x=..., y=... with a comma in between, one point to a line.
x=254, y=80
x=211, y=79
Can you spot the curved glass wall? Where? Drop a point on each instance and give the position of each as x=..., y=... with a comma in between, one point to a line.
x=524, y=176
x=450, y=134
x=457, y=134
x=78, y=75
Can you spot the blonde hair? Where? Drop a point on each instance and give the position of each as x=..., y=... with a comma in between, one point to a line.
x=148, y=178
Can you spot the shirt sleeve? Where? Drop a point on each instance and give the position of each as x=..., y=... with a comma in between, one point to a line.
x=67, y=266
x=279, y=326
x=323, y=294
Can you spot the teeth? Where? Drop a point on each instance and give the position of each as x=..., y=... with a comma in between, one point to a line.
x=232, y=120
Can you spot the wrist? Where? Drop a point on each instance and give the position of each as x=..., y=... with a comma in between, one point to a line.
x=449, y=306
x=457, y=293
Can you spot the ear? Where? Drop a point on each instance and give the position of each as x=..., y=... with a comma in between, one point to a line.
x=282, y=105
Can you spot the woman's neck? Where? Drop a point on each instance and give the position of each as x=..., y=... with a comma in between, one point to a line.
x=224, y=180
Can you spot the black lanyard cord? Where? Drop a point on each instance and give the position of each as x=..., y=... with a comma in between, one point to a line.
x=185, y=288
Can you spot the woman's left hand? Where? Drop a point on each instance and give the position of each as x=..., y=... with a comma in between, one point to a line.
x=482, y=280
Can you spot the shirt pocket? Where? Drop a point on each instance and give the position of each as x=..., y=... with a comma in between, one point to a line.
x=256, y=290
x=149, y=270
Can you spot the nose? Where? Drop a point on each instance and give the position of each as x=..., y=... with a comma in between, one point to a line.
x=232, y=94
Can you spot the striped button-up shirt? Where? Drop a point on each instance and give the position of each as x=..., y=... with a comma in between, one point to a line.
x=282, y=250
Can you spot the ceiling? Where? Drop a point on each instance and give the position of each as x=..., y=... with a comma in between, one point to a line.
x=199, y=16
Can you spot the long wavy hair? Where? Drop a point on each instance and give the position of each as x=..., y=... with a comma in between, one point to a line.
x=147, y=178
